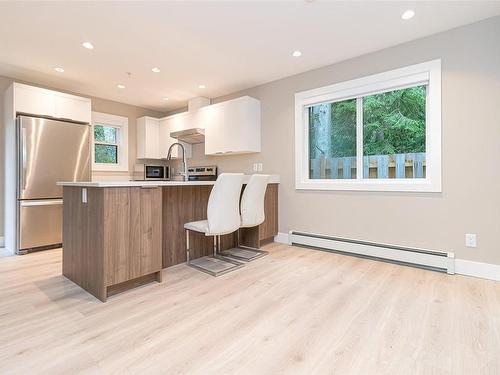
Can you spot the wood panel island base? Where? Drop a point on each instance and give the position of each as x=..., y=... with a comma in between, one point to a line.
x=111, y=238
x=119, y=236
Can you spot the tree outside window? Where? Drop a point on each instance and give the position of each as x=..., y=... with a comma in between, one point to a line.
x=393, y=136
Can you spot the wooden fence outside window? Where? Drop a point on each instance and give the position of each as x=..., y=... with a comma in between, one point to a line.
x=409, y=165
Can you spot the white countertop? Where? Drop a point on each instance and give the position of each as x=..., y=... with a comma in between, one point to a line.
x=274, y=179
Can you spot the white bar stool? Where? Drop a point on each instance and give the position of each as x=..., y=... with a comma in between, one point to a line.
x=223, y=217
x=252, y=215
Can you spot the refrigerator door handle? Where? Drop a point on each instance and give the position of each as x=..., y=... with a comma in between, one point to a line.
x=23, y=159
x=46, y=202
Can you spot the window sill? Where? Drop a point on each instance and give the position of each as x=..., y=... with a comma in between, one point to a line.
x=387, y=185
x=109, y=168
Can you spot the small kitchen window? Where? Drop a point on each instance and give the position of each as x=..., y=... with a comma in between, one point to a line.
x=110, y=142
x=378, y=133
x=106, y=144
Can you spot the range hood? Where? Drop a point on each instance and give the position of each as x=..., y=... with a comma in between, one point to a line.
x=192, y=136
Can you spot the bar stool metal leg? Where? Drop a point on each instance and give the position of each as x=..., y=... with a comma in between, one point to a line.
x=242, y=252
x=215, y=264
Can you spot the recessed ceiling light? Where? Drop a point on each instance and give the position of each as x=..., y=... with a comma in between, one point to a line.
x=408, y=14
x=202, y=87
x=120, y=86
x=165, y=98
x=88, y=45
x=58, y=69
x=155, y=70
x=296, y=53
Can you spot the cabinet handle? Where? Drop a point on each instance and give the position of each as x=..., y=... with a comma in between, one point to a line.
x=149, y=187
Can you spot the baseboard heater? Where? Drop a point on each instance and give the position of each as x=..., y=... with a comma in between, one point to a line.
x=429, y=259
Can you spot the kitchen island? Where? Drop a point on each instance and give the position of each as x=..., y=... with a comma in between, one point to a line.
x=120, y=234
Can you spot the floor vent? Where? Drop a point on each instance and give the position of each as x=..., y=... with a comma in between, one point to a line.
x=429, y=259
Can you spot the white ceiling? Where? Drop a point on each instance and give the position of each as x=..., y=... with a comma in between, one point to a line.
x=228, y=46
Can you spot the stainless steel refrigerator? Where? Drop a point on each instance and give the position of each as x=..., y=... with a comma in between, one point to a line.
x=47, y=151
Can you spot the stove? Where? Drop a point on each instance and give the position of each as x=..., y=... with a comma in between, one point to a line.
x=208, y=173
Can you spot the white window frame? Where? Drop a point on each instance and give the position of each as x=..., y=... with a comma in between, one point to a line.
x=428, y=73
x=121, y=123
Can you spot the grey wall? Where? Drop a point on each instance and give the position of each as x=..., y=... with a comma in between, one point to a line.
x=98, y=105
x=470, y=201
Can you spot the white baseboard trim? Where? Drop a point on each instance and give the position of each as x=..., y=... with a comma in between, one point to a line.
x=282, y=238
x=477, y=269
x=464, y=267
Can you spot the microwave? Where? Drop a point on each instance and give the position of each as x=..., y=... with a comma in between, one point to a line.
x=156, y=172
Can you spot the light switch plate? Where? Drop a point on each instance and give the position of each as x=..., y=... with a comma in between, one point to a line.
x=255, y=167
x=260, y=167
x=470, y=240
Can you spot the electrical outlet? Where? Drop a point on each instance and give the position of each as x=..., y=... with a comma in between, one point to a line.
x=260, y=168
x=255, y=167
x=470, y=240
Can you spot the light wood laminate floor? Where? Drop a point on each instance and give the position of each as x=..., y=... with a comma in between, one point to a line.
x=296, y=311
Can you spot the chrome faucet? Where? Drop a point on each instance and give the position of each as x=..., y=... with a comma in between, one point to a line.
x=169, y=157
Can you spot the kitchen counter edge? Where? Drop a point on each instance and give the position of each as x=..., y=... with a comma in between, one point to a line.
x=273, y=179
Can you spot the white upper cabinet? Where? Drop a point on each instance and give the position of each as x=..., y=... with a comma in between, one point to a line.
x=214, y=116
x=37, y=101
x=32, y=100
x=72, y=107
x=165, y=140
x=168, y=125
x=153, y=137
x=148, y=135
x=232, y=127
x=196, y=119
